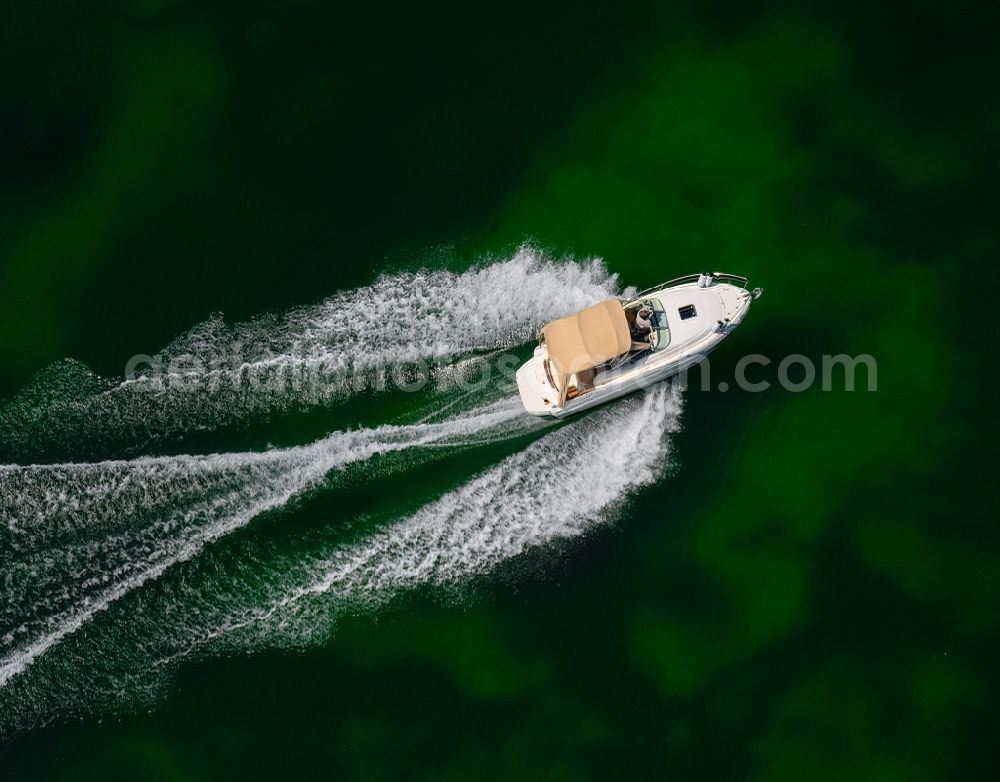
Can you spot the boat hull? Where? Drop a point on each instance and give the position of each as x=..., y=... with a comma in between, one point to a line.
x=721, y=308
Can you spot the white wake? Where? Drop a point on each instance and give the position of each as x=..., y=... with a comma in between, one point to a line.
x=367, y=339
x=80, y=536
x=246, y=599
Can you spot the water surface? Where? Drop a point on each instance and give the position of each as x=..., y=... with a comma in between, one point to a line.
x=227, y=576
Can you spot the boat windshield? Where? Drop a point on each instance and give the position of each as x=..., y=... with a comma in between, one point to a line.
x=659, y=319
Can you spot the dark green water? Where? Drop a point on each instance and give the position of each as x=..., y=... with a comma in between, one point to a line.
x=807, y=590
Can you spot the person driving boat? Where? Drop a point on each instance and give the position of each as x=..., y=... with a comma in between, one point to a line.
x=642, y=329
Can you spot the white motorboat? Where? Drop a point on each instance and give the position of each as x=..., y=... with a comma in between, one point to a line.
x=603, y=352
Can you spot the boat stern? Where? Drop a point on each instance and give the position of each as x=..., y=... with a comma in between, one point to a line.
x=537, y=396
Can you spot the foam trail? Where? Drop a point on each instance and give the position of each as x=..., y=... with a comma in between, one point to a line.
x=244, y=600
x=80, y=536
x=221, y=374
x=558, y=487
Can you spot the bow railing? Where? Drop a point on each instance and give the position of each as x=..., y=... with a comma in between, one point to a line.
x=688, y=278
